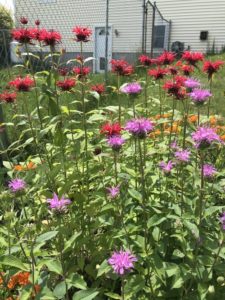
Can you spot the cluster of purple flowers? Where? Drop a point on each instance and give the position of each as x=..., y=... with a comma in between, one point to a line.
x=166, y=167
x=222, y=220
x=204, y=137
x=199, y=97
x=122, y=262
x=139, y=128
x=113, y=191
x=116, y=142
x=209, y=171
x=182, y=155
x=192, y=84
x=58, y=204
x=17, y=185
x=132, y=89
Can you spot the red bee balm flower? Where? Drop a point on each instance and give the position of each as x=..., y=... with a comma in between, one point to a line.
x=49, y=38
x=99, y=88
x=67, y=84
x=121, y=67
x=157, y=73
x=82, y=33
x=111, y=129
x=23, y=35
x=187, y=70
x=192, y=57
x=22, y=84
x=82, y=71
x=145, y=60
x=212, y=67
x=166, y=58
x=23, y=20
x=8, y=97
x=172, y=87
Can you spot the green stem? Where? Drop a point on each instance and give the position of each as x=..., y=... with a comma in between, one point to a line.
x=115, y=166
x=118, y=90
x=122, y=288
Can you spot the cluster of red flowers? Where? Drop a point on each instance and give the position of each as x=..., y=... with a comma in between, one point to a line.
x=192, y=57
x=49, y=38
x=121, y=67
x=212, y=67
x=99, y=88
x=8, y=97
x=82, y=34
x=166, y=58
x=145, y=60
x=67, y=84
x=22, y=84
x=158, y=73
x=111, y=129
x=81, y=71
x=24, y=35
x=175, y=87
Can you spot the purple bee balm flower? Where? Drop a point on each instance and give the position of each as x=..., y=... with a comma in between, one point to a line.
x=113, y=191
x=166, y=167
x=222, y=220
x=209, y=171
x=139, y=127
x=182, y=155
x=191, y=84
x=204, y=137
x=133, y=88
x=122, y=262
x=58, y=204
x=116, y=142
x=17, y=185
x=200, y=96
x=174, y=145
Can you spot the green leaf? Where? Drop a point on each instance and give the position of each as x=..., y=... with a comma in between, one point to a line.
x=104, y=268
x=71, y=242
x=155, y=220
x=53, y=266
x=78, y=281
x=85, y=295
x=113, y=296
x=135, y=194
x=60, y=290
x=14, y=262
x=46, y=236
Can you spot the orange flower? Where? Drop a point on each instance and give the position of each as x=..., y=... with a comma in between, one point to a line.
x=155, y=133
x=193, y=119
x=29, y=166
x=222, y=137
x=213, y=120
x=21, y=278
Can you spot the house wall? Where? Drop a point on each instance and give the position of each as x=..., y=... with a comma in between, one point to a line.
x=189, y=17
x=62, y=15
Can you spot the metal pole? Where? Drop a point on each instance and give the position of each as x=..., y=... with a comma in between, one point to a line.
x=106, y=41
x=143, y=27
x=153, y=28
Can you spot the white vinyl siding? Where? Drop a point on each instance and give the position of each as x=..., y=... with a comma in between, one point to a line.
x=189, y=17
x=124, y=16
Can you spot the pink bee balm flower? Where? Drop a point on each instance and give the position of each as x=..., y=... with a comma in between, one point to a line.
x=166, y=167
x=113, y=191
x=204, y=137
x=116, y=142
x=58, y=204
x=132, y=89
x=200, y=96
x=182, y=155
x=209, y=171
x=139, y=127
x=122, y=262
x=17, y=185
x=191, y=83
x=222, y=220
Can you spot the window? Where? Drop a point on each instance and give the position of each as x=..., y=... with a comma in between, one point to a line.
x=159, y=36
x=47, y=1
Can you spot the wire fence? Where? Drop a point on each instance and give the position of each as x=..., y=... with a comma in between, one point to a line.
x=121, y=29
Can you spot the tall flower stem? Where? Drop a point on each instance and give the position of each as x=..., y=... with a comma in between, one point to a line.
x=115, y=166
x=185, y=118
x=201, y=193
x=160, y=100
x=209, y=102
x=118, y=90
x=84, y=121
x=146, y=92
x=198, y=116
x=122, y=288
x=171, y=122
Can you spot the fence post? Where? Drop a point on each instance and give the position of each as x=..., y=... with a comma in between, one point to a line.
x=106, y=41
x=153, y=28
